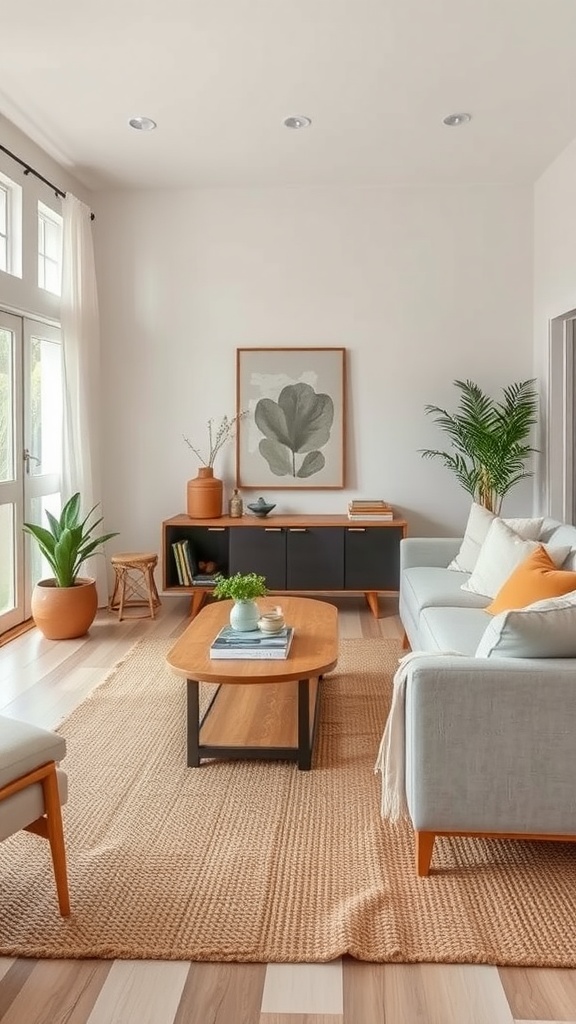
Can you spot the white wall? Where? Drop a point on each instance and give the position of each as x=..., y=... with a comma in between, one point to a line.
x=421, y=286
x=554, y=270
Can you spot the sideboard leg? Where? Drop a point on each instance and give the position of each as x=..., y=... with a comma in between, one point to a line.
x=198, y=598
x=372, y=602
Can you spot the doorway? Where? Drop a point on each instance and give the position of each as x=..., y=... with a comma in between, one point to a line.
x=30, y=453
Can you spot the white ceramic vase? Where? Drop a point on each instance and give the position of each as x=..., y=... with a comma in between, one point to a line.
x=244, y=615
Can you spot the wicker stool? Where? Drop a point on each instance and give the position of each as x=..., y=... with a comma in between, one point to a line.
x=134, y=586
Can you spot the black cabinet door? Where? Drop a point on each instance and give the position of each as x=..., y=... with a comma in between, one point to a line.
x=260, y=549
x=315, y=558
x=372, y=557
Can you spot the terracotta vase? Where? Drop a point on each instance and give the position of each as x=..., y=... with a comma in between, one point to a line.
x=204, y=495
x=62, y=613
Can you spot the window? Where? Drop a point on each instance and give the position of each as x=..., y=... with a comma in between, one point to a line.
x=3, y=227
x=49, y=249
x=10, y=226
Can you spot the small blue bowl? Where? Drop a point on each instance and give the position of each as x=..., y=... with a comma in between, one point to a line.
x=260, y=508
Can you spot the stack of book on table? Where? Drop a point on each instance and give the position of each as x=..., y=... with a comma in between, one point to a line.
x=232, y=643
x=376, y=510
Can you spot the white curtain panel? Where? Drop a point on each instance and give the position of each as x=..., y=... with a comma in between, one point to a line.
x=81, y=358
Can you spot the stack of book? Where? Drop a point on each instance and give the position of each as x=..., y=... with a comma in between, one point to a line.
x=376, y=510
x=231, y=643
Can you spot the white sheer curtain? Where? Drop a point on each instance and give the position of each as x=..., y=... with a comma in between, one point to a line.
x=81, y=357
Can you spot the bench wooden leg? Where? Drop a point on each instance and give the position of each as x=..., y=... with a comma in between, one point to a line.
x=424, y=846
x=405, y=642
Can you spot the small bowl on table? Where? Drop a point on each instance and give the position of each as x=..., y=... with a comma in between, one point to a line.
x=260, y=508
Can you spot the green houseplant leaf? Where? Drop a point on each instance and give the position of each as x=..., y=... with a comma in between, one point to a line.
x=241, y=586
x=299, y=422
x=488, y=438
x=68, y=542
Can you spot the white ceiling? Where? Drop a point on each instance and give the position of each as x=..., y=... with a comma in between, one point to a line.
x=219, y=77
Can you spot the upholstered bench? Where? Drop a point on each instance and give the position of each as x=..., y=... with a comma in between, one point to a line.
x=32, y=790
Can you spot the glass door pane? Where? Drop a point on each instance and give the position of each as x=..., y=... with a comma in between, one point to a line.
x=42, y=436
x=7, y=560
x=6, y=405
x=12, y=603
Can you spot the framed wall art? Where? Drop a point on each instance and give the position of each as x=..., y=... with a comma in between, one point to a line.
x=293, y=435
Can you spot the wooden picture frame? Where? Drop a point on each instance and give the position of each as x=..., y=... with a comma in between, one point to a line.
x=293, y=436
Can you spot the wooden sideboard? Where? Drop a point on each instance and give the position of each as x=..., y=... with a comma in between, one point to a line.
x=298, y=554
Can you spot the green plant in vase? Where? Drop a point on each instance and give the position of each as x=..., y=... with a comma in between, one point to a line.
x=243, y=589
x=64, y=606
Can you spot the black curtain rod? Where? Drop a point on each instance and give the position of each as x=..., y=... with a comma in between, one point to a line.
x=30, y=170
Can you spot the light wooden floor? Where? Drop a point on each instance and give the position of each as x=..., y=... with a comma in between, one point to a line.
x=41, y=681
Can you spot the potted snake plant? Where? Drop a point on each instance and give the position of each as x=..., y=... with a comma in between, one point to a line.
x=64, y=606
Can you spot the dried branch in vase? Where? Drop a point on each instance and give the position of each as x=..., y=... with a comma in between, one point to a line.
x=217, y=438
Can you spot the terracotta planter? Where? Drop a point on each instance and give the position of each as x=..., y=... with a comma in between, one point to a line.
x=204, y=495
x=62, y=613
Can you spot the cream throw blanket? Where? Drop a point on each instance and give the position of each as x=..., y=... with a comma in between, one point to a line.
x=391, y=760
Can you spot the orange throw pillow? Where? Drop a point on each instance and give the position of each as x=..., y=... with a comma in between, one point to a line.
x=535, y=579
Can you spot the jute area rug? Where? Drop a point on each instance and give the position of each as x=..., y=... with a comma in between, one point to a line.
x=256, y=861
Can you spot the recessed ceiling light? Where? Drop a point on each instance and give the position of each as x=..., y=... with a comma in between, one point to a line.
x=455, y=120
x=142, y=124
x=297, y=121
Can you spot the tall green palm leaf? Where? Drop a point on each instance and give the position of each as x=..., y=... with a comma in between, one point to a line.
x=489, y=439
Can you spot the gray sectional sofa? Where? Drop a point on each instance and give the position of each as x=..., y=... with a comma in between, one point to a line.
x=490, y=742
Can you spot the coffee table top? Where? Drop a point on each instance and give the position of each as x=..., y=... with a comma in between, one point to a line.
x=314, y=649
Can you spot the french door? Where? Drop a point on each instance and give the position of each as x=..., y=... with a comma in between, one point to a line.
x=30, y=453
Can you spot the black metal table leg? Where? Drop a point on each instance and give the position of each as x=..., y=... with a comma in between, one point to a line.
x=304, y=746
x=193, y=722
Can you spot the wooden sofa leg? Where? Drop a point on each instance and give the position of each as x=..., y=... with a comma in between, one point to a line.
x=424, y=847
x=405, y=642
x=56, y=839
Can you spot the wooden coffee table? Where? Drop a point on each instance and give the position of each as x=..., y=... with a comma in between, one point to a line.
x=263, y=709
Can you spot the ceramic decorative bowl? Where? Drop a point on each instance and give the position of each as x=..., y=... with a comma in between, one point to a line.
x=260, y=508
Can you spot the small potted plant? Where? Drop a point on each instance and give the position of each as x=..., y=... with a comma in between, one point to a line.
x=65, y=605
x=242, y=588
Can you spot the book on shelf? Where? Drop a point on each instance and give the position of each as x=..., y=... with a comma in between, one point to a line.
x=178, y=563
x=189, y=559
x=252, y=644
x=184, y=562
x=204, y=579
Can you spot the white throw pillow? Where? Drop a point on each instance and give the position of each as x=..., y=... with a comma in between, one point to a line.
x=500, y=553
x=545, y=629
x=479, y=522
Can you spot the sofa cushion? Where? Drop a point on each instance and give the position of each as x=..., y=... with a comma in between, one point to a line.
x=546, y=629
x=535, y=579
x=452, y=629
x=502, y=551
x=24, y=747
x=557, y=533
x=479, y=522
x=428, y=586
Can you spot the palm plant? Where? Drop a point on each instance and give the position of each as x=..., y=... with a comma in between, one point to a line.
x=489, y=439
